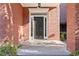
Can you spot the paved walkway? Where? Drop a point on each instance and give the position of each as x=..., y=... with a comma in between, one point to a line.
x=43, y=49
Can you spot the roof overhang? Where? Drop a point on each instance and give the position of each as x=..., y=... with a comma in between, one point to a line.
x=41, y=4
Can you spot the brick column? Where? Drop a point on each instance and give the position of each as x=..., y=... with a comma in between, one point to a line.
x=73, y=27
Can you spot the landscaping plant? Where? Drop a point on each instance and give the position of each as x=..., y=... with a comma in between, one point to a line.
x=8, y=49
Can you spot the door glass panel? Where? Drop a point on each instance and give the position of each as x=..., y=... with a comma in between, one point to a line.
x=45, y=26
x=31, y=26
x=38, y=28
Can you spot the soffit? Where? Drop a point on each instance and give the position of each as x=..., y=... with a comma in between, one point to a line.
x=42, y=4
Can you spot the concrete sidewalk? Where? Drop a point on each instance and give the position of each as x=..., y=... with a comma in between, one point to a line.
x=43, y=50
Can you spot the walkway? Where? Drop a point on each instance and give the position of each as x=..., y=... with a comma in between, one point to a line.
x=51, y=48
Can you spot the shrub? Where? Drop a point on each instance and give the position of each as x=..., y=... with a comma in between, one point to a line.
x=63, y=36
x=76, y=53
x=8, y=49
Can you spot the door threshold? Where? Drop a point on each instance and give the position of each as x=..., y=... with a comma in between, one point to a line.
x=47, y=41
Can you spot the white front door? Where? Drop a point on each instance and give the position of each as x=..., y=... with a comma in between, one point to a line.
x=38, y=27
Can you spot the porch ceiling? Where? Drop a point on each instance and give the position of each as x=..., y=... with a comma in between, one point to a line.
x=42, y=4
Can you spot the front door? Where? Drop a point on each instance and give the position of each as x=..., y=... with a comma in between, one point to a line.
x=38, y=27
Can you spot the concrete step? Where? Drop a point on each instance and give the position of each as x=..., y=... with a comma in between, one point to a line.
x=43, y=43
x=52, y=48
x=42, y=51
x=46, y=43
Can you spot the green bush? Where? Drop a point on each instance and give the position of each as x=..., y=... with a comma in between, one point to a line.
x=63, y=36
x=8, y=50
x=76, y=53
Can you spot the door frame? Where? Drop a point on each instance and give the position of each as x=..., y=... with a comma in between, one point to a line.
x=31, y=17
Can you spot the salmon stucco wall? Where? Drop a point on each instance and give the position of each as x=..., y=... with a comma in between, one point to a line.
x=11, y=16
x=54, y=24
x=4, y=22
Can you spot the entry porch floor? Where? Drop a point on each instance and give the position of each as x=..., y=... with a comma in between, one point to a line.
x=43, y=48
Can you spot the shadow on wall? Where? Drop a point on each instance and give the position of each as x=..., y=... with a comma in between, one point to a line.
x=4, y=22
x=11, y=17
x=25, y=16
x=52, y=35
x=25, y=23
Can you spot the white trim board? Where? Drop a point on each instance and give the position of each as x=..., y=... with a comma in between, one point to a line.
x=39, y=11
